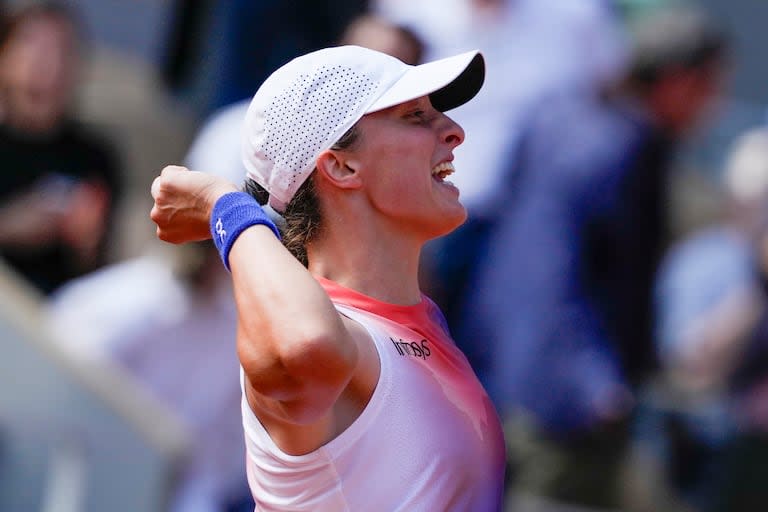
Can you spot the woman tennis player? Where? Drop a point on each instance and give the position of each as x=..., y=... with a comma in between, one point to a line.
x=354, y=395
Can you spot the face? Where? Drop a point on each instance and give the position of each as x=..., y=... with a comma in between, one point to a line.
x=381, y=36
x=38, y=68
x=691, y=95
x=404, y=157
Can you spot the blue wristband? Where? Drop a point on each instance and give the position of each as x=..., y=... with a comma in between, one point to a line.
x=232, y=214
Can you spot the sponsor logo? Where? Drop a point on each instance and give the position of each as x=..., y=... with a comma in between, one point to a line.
x=418, y=349
x=220, y=230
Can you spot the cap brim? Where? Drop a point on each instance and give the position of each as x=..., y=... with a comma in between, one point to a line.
x=448, y=82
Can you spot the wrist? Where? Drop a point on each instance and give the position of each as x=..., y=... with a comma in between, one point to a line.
x=233, y=213
x=212, y=196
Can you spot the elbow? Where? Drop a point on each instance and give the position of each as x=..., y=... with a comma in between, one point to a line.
x=324, y=360
x=305, y=375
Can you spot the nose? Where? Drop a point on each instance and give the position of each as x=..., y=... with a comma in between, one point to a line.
x=450, y=132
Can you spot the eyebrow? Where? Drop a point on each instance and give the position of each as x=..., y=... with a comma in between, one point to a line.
x=418, y=102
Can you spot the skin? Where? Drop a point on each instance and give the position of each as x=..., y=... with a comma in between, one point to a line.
x=380, y=35
x=684, y=96
x=309, y=371
x=38, y=73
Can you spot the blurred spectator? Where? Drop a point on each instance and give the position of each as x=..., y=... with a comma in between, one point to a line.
x=531, y=48
x=559, y=324
x=709, y=416
x=59, y=182
x=192, y=344
x=168, y=320
x=375, y=32
x=171, y=326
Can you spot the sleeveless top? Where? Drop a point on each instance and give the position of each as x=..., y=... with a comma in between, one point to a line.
x=428, y=440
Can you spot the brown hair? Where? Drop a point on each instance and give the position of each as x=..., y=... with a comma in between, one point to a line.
x=51, y=10
x=303, y=218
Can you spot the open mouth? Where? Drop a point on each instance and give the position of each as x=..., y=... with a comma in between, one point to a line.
x=442, y=171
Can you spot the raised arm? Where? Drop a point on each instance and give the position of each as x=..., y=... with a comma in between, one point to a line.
x=296, y=352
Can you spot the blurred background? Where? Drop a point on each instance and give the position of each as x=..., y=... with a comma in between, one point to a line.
x=610, y=287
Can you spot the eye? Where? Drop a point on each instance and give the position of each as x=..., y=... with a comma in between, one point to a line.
x=418, y=116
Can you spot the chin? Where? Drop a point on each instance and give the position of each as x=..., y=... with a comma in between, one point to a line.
x=451, y=221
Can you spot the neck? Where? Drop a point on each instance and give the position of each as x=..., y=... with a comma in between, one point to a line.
x=380, y=263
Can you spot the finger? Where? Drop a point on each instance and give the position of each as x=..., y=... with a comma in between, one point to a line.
x=155, y=189
x=163, y=235
x=154, y=214
x=171, y=169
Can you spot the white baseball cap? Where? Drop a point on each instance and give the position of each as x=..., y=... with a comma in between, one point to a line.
x=305, y=106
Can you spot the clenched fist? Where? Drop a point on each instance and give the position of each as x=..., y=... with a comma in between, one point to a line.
x=183, y=203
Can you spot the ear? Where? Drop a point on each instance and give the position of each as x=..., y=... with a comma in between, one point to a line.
x=335, y=168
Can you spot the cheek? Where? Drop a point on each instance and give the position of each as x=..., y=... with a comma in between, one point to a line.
x=389, y=163
x=14, y=68
x=400, y=161
x=406, y=180
x=394, y=190
x=27, y=73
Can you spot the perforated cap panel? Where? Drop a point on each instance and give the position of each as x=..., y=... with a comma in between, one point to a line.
x=302, y=117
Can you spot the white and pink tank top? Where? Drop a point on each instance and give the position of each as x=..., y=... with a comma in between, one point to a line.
x=429, y=439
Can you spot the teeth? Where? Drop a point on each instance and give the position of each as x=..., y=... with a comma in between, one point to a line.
x=443, y=170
